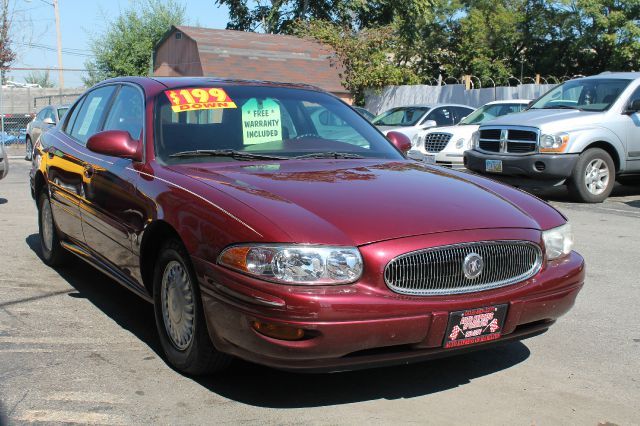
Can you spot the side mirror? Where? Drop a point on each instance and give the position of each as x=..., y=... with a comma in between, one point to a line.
x=49, y=121
x=633, y=107
x=400, y=141
x=116, y=143
x=429, y=123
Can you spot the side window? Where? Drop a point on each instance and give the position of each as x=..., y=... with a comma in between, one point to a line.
x=68, y=125
x=460, y=113
x=442, y=116
x=634, y=96
x=90, y=114
x=50, y=114
x=127, y=112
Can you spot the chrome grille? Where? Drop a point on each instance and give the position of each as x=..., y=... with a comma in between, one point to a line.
x=513, y=141
x=436, y=142
x=438, y=270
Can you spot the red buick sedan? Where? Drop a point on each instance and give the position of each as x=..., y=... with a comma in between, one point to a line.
x=271, y=222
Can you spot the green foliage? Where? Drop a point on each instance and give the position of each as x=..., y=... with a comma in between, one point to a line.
x=40, y=78
x=127, y=45
x=366, y=56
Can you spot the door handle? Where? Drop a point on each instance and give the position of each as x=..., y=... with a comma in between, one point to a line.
x=88, y=171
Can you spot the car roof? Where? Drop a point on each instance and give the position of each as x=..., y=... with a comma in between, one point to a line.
x=509, y=101
x=175, y=82
x=54, y=106
x=430, y=106
x=612, y=75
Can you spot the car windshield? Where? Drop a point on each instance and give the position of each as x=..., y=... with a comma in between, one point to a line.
x=489, y=112
x=62, y=112
x=404, y=116
x=583, y=94
x=219, y=123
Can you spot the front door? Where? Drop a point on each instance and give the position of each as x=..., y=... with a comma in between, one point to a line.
x=633, y=136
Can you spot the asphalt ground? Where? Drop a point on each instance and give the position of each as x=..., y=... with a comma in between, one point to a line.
x=77, y=348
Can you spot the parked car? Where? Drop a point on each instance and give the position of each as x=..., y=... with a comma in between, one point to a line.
x=46, y=118
x=255, y=236
x=410, y=120
x=365, y=113
x=583, y=133
x=445, y=145
x=4, y=162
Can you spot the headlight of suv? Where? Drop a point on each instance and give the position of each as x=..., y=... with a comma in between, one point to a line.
x=554, y=143
x=475, y=139
x=558, y=242
x=295, y=264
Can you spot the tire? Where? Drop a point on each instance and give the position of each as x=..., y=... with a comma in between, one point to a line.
x=29, y=149
x=50, y=249
x=593, y=176
x=188, y=347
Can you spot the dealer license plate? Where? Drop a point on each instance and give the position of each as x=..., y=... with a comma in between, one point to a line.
x=475, y=326
x=429, y=159
x=494, y=166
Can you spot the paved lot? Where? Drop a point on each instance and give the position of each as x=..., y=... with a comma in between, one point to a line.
x=75, y=347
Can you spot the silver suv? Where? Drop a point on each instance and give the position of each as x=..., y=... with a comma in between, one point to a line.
x=583, y=133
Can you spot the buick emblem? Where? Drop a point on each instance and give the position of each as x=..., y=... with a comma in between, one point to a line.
x=472, y=265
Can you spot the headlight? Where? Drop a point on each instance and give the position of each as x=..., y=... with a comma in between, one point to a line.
x=554, y=143
x=460, y=143
x=295, y=264
x=415, y=141
x=558, y=242
x=475, y=139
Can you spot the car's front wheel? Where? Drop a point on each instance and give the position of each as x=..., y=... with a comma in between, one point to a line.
x=179, y=315
x=51, y=250
x=593, y=176
x=29, y=149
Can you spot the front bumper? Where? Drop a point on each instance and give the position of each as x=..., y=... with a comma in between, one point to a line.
x=551, y=167
x=365, y=324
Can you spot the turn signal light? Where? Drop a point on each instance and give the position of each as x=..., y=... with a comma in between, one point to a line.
x=276, y=331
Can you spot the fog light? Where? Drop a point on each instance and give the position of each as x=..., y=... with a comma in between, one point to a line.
x=540, y=166
x=282, y=332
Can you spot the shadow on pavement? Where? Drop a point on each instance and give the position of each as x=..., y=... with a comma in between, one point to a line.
x=265, y=387
x=3, y=201
x=125, y=308
x=561, y=194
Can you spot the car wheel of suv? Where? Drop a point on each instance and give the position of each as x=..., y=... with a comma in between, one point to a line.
x=593, y=176
x=179, y=315
x=52, y=252
x=29, y=149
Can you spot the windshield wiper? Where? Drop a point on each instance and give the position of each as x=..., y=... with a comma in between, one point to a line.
x=559, y=107
x=236, y=155
x=329, y=154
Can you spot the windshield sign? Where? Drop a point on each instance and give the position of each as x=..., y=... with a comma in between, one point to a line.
x=583, y=94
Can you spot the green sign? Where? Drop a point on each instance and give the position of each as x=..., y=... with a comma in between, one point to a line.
x=261, y=121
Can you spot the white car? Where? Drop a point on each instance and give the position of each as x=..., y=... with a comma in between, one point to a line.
x=445, y=146
x=4, y=161
x=411, y=120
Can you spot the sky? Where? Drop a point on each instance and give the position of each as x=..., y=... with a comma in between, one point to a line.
x=34, y=24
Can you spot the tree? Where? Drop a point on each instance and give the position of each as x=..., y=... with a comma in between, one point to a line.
x=7, y=55
x=127, y=46
x=40, y=78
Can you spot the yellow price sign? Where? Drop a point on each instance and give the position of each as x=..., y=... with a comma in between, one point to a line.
x=198, y=98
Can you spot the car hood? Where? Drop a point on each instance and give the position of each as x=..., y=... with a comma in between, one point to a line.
x=354, y=202
x=544, y=119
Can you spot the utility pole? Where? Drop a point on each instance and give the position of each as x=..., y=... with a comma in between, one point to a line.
x=59, y=38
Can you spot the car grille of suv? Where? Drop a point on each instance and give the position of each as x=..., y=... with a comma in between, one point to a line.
x=436, y=142
x=516, y=141
x=440, y=270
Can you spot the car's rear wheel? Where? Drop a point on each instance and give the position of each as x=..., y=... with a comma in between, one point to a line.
x=50, y=248
x=28, y=149
x=179, y=315
x=593, y=176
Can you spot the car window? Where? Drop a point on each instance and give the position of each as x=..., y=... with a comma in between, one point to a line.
x=42, y=114
x=443, y=116
x=127, y=112
x=51, y=115
x=635, y=95
x=263, y=120
x=403, y=116
x=589, y=94
x=62, y=112
x=68, y=124
x=90, y=114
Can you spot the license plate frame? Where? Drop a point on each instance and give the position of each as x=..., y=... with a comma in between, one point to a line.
x=477, y=325
x=429, y=159
x=493, y=166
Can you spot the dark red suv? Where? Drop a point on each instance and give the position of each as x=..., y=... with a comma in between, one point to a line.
x=273, y=223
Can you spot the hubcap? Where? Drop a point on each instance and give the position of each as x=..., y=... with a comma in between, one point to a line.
x=47, y=226
x=596, y=176
x=177, y=305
